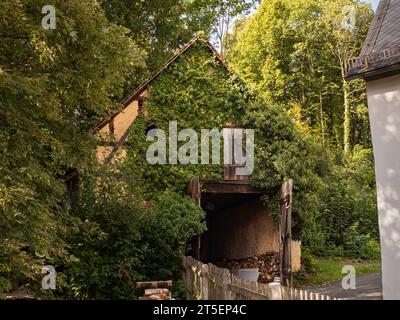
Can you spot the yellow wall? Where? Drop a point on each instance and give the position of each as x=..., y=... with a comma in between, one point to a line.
x=122, y=122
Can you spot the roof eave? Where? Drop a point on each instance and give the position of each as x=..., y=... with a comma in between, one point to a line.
x=376, y=73
x=381, y=71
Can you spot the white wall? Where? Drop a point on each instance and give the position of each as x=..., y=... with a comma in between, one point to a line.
x=384, y=113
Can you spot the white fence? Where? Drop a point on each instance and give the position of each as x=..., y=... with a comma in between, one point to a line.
x=209, y=282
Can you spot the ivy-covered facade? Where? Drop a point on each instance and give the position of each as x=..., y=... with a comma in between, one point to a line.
x=196, y=89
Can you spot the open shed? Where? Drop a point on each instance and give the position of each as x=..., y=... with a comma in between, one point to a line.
x=240, y=225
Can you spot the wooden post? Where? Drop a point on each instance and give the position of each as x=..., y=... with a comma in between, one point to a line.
x=286, y=233
x=276, y=291
x=204, y=281
x=186, y=278
x=226, y=281
x=195, y=193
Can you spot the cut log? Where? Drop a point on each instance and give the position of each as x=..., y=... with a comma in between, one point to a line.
x=150, y=292
x=268, y=265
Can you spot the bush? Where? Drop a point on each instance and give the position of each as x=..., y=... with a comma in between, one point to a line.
x=371, y=250
x=120, y=239
x=349, y=217
x=108, y=225
x=166, y=229
x=361, y=246
x=283, y=151
x=334, y=204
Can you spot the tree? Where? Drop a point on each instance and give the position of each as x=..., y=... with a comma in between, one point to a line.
x=159, y=27
x=226, y=12
x=348, y=23
x=54, y=85
x=294, y=53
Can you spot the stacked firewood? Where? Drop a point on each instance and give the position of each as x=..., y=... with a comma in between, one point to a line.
x=156, y=294
x=155, y=290
x=268, y=265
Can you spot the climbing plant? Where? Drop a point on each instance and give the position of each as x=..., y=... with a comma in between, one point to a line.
x=197, y=92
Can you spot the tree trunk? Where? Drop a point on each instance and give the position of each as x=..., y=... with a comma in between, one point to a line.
x=322, y=118
x=347, y=120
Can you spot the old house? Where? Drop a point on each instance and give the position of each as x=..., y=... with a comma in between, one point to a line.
x=379, y=65
x=196, y=89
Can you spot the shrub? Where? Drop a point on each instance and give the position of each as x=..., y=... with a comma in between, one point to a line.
x=349, y=218
x=166, y=229
x=360, y=245
x=120, y=239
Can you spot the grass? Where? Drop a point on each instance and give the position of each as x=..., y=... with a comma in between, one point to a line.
x=323, y=270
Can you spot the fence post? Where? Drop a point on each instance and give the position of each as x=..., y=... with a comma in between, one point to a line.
x=276, y=291
x=186, y=277
x=204, y=281
x=226, y=281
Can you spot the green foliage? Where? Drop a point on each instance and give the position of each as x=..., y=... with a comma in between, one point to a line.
x=226, y=12
x=198, y=93
x=161, y=26
x=121, y=239
x=132, y=221
x=54, y=85
x=293, y=53
x=103, y=243
x=334, y=202
x=173, y=221
x=283, y=151
x=360, y=245
x=348, y=208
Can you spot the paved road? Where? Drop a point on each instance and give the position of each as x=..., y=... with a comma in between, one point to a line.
x=368, y=287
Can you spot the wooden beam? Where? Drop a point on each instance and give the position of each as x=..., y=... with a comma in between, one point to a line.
x=117, y=146
x=194, y=190
x=231, y=187
x=285, y=227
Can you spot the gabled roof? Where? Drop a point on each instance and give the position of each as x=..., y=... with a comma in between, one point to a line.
x=384, y=30
x=135, y=94
x=381, y=51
